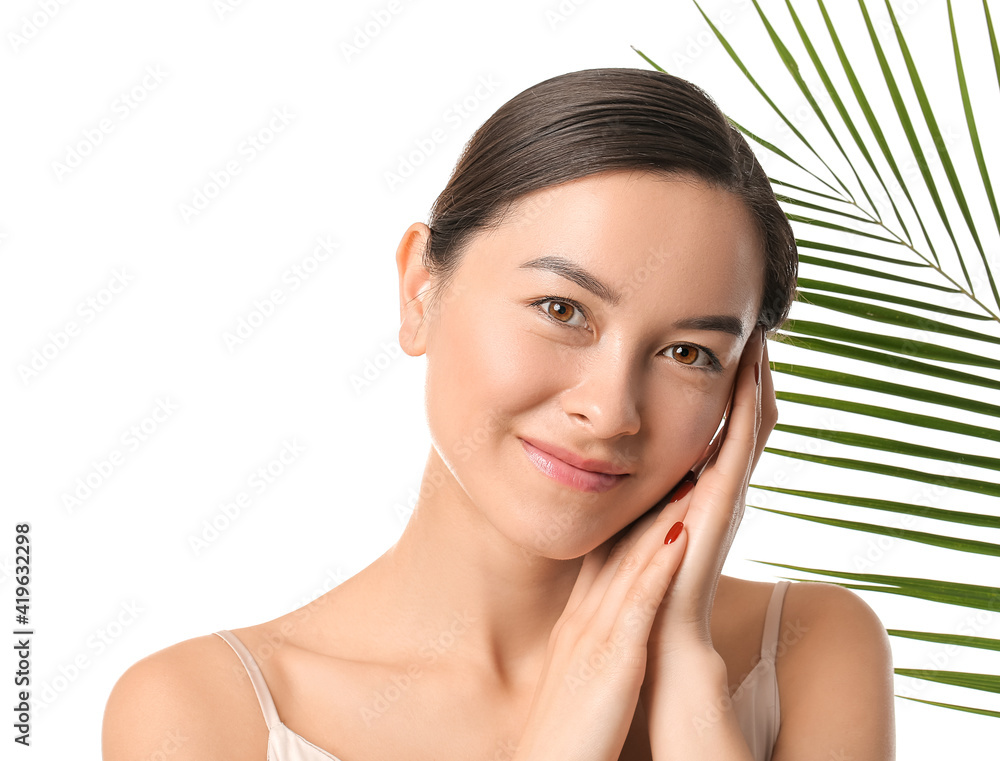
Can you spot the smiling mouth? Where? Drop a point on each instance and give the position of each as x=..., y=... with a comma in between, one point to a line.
x=570, y=475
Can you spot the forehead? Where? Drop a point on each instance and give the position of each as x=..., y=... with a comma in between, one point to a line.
x=640, y=233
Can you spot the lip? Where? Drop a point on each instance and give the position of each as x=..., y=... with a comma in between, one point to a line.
x=568, y=469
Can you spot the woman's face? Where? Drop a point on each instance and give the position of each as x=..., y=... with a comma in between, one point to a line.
x=604, y=318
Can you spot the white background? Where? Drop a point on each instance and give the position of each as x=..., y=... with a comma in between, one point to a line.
x=159, y=343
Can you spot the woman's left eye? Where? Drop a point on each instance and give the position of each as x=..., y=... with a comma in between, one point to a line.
x=562, y=311
x=688, y=354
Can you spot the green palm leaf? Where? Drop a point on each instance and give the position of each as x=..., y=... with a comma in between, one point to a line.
x=983, y=643
x=922, y=511
x=987, y=682
x=970, y=119
x=980, y=711
x=952, y=592
x=823, y=285
x=886, y=413
x=949, y=542
x=888, y=326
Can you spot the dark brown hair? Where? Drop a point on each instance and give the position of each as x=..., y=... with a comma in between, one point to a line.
x=595, y=120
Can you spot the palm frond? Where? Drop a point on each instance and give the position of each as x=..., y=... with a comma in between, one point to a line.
x=878, y=296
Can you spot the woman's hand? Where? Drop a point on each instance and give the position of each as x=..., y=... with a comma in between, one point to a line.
x=686, y=678
x=595, y=664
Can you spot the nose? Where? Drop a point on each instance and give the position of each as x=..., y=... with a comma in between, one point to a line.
x=604, y=399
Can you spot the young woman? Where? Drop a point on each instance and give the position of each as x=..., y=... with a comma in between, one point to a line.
x=593, y=294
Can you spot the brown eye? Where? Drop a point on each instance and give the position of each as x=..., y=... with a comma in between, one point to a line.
x=563, y=312
x=685, y=354
x=559, y=310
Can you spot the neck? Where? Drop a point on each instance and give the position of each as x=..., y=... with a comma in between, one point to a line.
x=456, y=591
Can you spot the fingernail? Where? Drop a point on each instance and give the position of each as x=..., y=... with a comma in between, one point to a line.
x=756, y=373
x=675, y=531
x=686, y=485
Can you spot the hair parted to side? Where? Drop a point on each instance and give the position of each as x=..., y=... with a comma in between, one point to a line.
x=595, y=120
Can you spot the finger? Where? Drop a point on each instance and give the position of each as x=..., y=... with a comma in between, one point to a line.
x=635, y=611
x=733, y=463
x=591, y=566
x=631, y=553
x=620, y=580
x=768, y=408
x=608, y=554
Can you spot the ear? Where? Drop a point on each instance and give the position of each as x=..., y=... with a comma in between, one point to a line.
x=414, y=281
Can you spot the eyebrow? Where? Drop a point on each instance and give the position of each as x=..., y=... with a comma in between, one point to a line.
x=572, y=271
x=568, y=269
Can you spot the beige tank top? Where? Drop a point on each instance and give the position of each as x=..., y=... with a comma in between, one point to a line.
x=755, y=701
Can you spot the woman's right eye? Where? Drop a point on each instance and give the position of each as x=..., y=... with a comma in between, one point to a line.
x=562, y=311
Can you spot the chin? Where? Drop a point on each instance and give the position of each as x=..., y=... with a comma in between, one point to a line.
x=556, y=527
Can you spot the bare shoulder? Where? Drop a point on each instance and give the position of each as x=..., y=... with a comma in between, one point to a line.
x=835, y=677
x=832, y=621
x=190, y=701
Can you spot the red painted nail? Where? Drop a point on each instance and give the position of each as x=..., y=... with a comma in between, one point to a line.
x=756, y=373
x=682, y=488
x=675, y=531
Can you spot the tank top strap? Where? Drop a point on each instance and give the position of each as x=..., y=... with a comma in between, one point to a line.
x=256, y=677
x=772, y=621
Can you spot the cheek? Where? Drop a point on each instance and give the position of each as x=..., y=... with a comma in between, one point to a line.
x=480, y=373
x=687, y=421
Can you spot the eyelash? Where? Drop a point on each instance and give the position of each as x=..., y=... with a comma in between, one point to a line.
x=715, y=365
